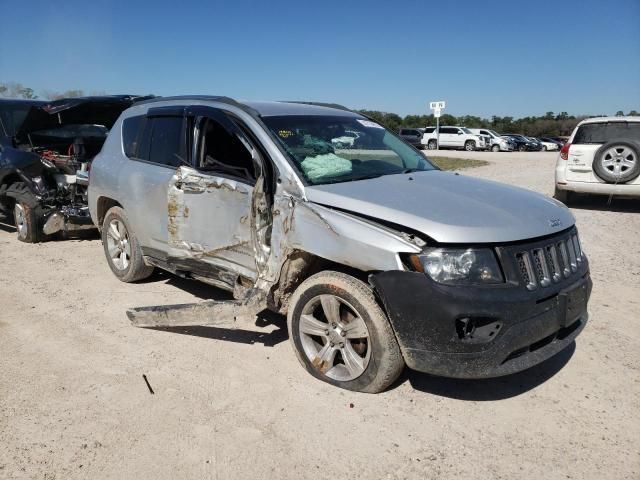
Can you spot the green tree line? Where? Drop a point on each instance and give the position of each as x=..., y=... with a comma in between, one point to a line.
x=560, y=124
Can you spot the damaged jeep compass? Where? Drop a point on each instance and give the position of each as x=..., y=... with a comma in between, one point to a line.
x=378, y=258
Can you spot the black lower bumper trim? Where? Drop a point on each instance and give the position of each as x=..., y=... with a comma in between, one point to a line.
x=519, y=329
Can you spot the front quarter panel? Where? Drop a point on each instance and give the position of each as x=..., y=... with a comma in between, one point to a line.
x=345, y=239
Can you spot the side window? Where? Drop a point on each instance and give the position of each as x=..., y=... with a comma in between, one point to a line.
x=131, y=133
x=223, y=151
x=429, y=130
x=447, y=130
x=163, y=141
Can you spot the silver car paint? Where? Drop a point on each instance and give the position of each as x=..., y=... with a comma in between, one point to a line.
x=444, y=207
x=449, y=208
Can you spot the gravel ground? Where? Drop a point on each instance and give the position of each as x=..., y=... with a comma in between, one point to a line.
x=236, y=404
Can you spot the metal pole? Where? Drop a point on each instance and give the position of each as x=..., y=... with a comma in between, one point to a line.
x=438, y=134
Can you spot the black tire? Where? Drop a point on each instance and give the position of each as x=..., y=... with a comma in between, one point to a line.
x=432, y=145
x=470, y=146
x=385, y=362
x=564, y=196
x=27, y=213
x=626, y=157
x=134, y=269
x=544, y=148
x=495, y=148
x=522, y=148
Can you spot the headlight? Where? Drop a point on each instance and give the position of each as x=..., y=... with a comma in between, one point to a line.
x=459, y=266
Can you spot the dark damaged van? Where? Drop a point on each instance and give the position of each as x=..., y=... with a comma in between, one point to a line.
x=45, y=157
x=378, y=258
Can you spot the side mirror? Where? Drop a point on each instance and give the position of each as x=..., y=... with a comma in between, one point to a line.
x=459, y=132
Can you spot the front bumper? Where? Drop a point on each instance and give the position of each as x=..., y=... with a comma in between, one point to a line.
x=511, y=328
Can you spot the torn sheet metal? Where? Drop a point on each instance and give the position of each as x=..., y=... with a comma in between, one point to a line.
x=204, y=220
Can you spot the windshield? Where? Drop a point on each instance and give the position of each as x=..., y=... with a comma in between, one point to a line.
x=467, y=131
x=341, y=149
x=493, y=133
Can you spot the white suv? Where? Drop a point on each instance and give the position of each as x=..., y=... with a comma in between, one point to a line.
x=602, y=156
x=453, y=137
x=496, y=143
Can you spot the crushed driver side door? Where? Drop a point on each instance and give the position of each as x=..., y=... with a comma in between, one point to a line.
x=217, y=213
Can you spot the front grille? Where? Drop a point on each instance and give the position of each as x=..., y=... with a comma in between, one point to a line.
x=548, y=264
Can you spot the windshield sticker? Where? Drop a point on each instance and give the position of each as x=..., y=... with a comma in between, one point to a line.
x=285, y=133
x=369, y=124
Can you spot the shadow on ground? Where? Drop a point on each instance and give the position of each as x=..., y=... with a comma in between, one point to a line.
x=468, y=390
x=492, y=388
x=603, y=203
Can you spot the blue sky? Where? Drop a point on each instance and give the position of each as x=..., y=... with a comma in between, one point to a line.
x=484, y=57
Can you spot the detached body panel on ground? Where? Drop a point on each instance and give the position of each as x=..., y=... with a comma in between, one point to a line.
x=267, y=201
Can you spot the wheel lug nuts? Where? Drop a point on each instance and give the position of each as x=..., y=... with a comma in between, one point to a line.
x=326, y=332
x=334, y=325
x=343, y=333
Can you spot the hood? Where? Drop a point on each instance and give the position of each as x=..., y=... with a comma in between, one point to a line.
x=448, y=207
x=77, y=111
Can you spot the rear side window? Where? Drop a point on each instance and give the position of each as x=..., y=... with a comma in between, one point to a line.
x=163, y=141
x=597, y=133
x=430, y=130
x=131, y=133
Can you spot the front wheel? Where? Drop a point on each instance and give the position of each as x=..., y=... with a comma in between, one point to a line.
x=522, y=148
x=341, y=335
x=27, y=213
x=470, y=146
x=495, y=148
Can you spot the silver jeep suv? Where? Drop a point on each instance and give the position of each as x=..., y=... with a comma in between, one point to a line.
x=378, y=258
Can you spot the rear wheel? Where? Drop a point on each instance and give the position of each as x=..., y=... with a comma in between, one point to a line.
x=617, y=161
x=122, y=249
x=341, y=335
x=432, y=145
x=27, y=213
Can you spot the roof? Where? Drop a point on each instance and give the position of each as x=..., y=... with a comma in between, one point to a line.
x=610, y=119
x=21, y=101
x=265, y=109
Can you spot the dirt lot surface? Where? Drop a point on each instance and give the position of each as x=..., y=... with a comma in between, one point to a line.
x=236, y=404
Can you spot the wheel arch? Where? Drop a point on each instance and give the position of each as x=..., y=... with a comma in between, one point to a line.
x=102, y=207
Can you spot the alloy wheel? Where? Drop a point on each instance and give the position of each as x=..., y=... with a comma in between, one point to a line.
x=335, y=338
x=118, y=244
x=618, y=160
x=21, y=223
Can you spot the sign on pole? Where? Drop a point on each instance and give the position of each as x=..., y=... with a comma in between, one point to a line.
x=437, y=108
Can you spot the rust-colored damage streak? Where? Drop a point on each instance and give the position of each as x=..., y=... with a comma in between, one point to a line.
x=173, y=211
x=321, y=365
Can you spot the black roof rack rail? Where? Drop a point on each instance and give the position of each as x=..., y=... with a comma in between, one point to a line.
x=337, y=106
x=206, y=98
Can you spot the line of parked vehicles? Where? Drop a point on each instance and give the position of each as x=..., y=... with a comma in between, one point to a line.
x=471, y=139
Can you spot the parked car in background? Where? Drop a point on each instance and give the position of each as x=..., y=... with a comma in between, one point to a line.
x=378, y=258
x=44, y=163
x=453, y=137
x=493, y=141
x=413, y=136
x=601, y=157
x=523, y=144
x=547, y=145
x=559, y=140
